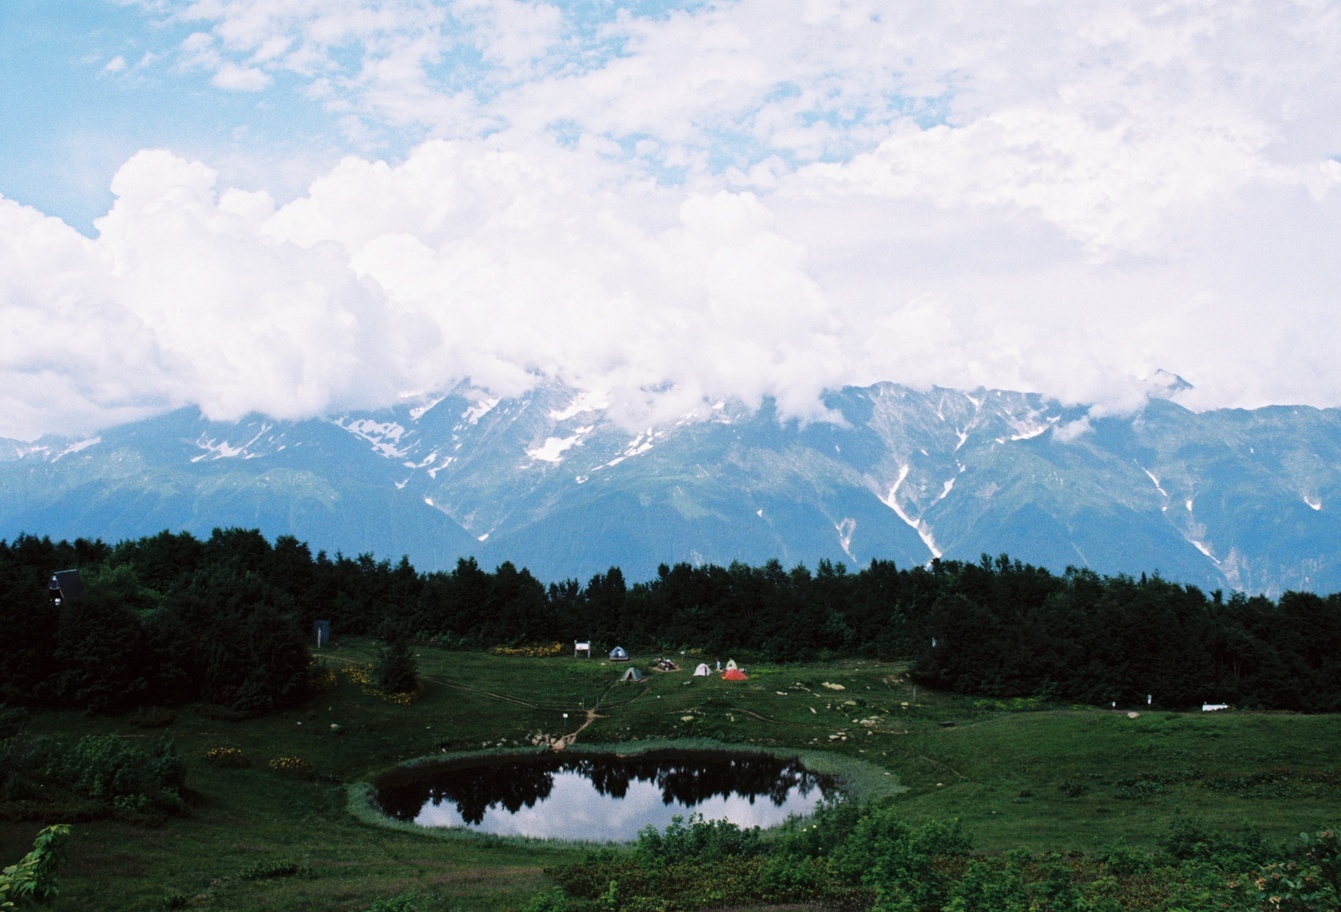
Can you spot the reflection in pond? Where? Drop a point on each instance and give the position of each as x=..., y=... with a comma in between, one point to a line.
x=600, y=797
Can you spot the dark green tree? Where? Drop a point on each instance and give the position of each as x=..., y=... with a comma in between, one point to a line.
x=396, y=670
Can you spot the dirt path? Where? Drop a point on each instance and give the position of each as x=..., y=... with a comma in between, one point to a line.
x=569, y=738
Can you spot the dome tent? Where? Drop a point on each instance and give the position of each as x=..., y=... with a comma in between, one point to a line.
x=702, y=671
x=632, y=674
x=619, y=654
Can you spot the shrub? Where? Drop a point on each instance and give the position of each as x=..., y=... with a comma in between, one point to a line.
x=176, y=899
x=322, y=679
x=545, y=651
x=294, y=766
x=897, y=860
x=105, y=766
x=820, y=833
x=358, y=673
x=396, y=671
x=1310, y=882
x=12, y=720
x=1189, y=840
x=401, y=902
x=275, y=868
x=89, y=778
x=551, y=901
x=33, y=877
x=700, y=841
x=227, y=757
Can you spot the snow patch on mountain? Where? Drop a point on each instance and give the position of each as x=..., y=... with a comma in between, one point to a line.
x=384, y=436
x=222, y=449
x=553, y=448
x=583, y=403
x=1200, y=546
x=921, y=528
x=1030, y=430
x=845, y=530
x=479, y=409
x=639, y=445
x=418, y=411
x=446, y=461
x=1152, y=477
x=77, y=446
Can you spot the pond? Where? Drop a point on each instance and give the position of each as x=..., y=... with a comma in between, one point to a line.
x=600, y=797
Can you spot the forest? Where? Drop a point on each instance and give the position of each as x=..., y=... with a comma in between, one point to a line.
x=225, y=621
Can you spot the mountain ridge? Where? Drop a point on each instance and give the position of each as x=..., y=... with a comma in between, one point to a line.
x=1237, y=499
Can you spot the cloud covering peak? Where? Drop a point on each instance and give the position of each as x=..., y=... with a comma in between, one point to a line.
x=677, y=203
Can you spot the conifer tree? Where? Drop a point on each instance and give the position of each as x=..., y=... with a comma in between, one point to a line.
x=396, y=670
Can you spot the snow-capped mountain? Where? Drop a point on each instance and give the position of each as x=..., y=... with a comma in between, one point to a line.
x=1233, y=499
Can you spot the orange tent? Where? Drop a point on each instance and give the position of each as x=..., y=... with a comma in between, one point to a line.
x=734, y=674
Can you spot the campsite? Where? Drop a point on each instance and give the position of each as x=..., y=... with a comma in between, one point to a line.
x=285, y=824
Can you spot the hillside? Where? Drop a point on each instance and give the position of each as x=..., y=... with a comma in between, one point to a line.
x=1224, y=499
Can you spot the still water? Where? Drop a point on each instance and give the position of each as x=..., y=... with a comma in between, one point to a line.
x=600, y=797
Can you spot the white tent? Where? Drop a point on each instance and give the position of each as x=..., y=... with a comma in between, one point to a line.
x=702, y=671
x=730, y=664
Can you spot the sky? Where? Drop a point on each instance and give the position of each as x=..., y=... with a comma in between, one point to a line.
x=301, y=207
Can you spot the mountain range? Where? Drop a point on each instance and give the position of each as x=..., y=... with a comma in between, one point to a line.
x=1226, y=499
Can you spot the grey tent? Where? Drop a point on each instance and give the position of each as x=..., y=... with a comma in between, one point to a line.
x=632, y=674
x=702, y=671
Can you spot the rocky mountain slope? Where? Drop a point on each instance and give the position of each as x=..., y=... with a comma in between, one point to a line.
x=1224, y=499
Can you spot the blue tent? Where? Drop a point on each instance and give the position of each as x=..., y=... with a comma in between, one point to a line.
x=618, y=654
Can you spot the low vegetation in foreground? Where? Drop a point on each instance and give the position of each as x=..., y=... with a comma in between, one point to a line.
x=1020, y=804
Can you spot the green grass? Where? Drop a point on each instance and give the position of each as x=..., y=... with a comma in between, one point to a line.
x=1015, y=774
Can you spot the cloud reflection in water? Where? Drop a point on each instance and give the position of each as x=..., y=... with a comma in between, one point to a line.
x=605, y=798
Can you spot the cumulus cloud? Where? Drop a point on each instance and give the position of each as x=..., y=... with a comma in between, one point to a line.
x=694, y=202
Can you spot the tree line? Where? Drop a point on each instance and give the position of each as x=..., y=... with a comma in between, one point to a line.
x=225, y=620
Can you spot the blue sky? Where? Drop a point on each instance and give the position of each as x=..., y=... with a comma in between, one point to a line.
x=303, y=206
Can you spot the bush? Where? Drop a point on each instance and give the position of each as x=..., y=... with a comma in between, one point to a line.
x=1189, y=840
x=396, y=671
x=267, y=870
x=105, y=766
x=700, y=841
x=820, y=833
x=33, y=877
x=97, y=774
x=294, y=766
x=12, y=720
x=1310, y=882
x=227, y=757
x=401, y=902
x=897, y=860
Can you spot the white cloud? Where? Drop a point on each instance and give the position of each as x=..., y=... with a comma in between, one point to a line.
x=738, y=199
x=240, y=79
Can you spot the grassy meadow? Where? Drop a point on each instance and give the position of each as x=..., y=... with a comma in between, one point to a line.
x=1016, y=773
